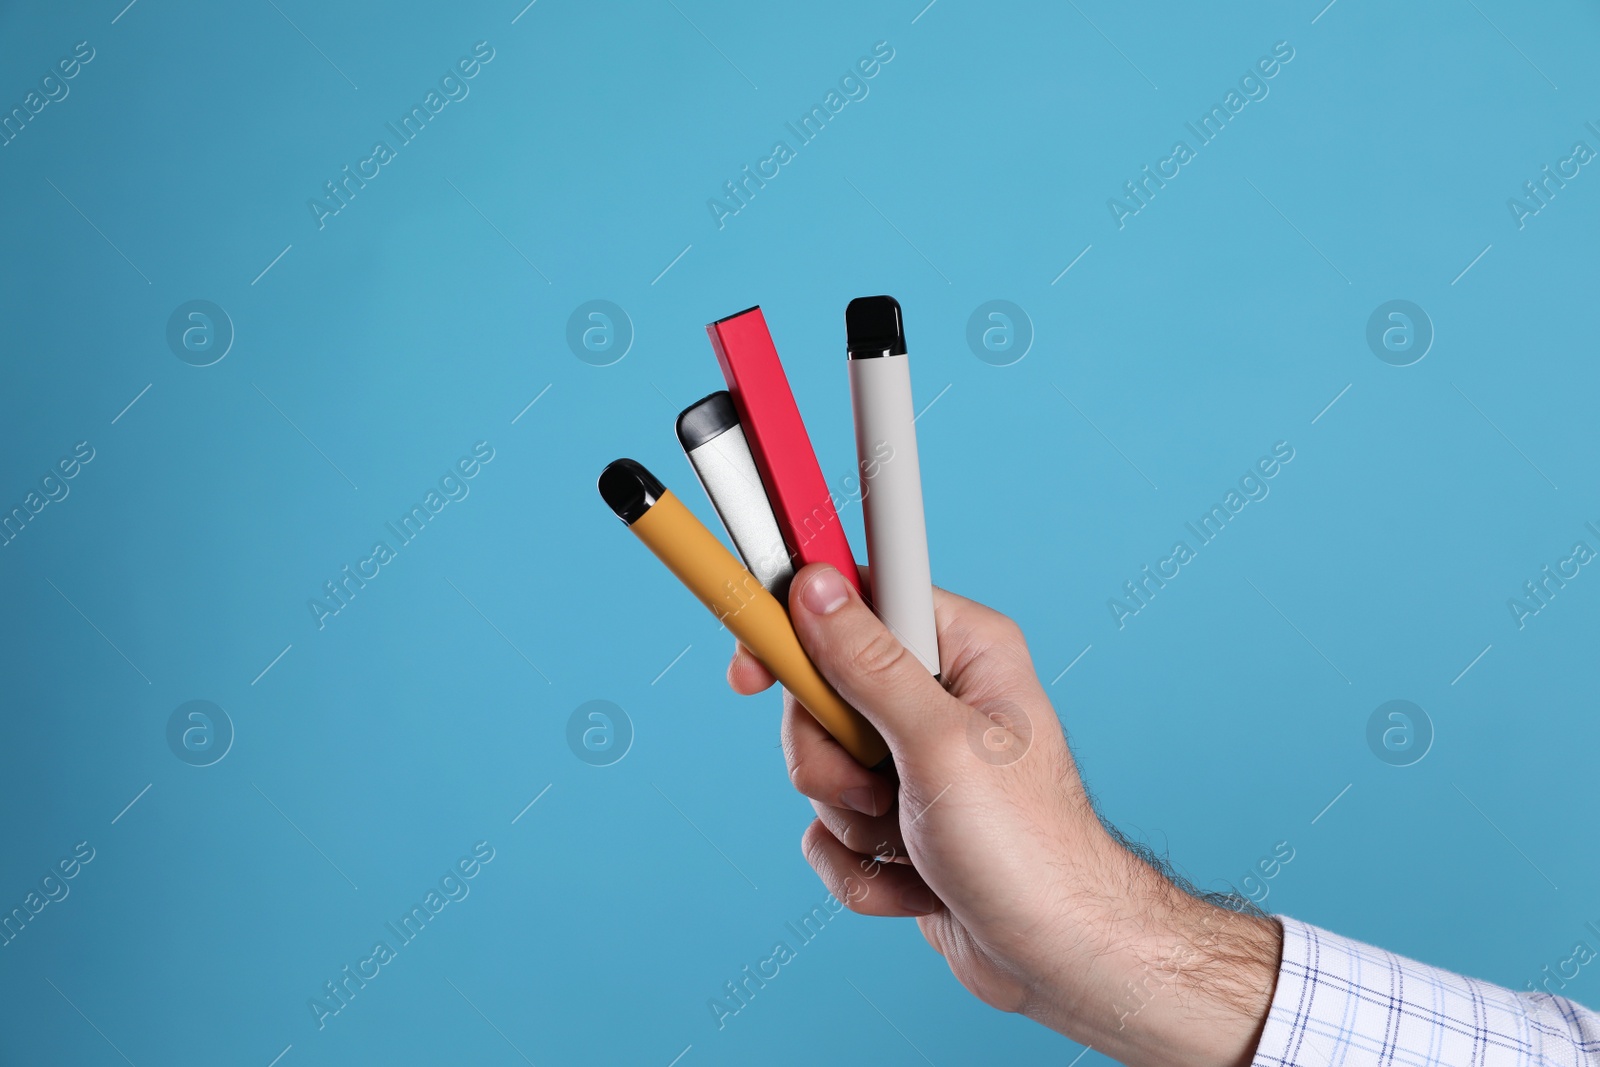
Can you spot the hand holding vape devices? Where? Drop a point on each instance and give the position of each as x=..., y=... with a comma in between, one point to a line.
x=732, y=593
x=891, y=477
x=711, y=437
x=779, y=444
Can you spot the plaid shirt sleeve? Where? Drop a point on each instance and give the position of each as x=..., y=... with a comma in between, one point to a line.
x=1340, y=1003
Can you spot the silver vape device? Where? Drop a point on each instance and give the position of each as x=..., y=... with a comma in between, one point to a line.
x=711, y=437
x=891, y=477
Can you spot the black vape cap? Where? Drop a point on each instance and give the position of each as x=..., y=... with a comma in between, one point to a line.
x=706, y=418
x=629, y=489
x=873, y=327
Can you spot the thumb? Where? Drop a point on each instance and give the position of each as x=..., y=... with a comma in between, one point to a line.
x=868, y=665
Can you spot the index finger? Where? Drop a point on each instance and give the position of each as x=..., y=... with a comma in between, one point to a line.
x=747, y=675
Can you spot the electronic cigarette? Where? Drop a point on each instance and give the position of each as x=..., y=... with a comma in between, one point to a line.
x=711, y=437
x=891, y=478
x=778, y=442
x=699, y=560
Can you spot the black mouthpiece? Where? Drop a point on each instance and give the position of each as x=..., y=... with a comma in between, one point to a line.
x=873, y=327
x=706, y=418
x=629, y=489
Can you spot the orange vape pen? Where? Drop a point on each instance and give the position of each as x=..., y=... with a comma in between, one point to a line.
x=733, y=595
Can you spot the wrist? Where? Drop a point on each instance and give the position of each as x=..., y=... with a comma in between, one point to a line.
x=1174, y=980
x=1203, y=981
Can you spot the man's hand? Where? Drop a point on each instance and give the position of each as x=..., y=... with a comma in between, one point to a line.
x=993, y=844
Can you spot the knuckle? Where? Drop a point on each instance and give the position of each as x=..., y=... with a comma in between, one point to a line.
x=993, y=626
x=808, y=776
x=1000, y=635
x=853, y=893
x=873, y=842
x=1006, y=630
x=846, y=887
x=803, y=776
x=846, y=829
x=870, y=838
x=810, y=844
x=855, y=838
x=813, y=848
x=881, y=655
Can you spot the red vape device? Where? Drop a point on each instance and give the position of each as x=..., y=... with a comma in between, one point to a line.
x=779, y=443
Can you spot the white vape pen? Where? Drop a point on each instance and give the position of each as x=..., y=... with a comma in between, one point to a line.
x=712, y=438
x=891, y=478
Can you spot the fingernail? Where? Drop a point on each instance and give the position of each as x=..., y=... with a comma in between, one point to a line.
x=825, y=593
x=860, y=798
x=918, y=900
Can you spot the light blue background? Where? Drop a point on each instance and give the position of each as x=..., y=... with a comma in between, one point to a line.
x=1221, y=319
